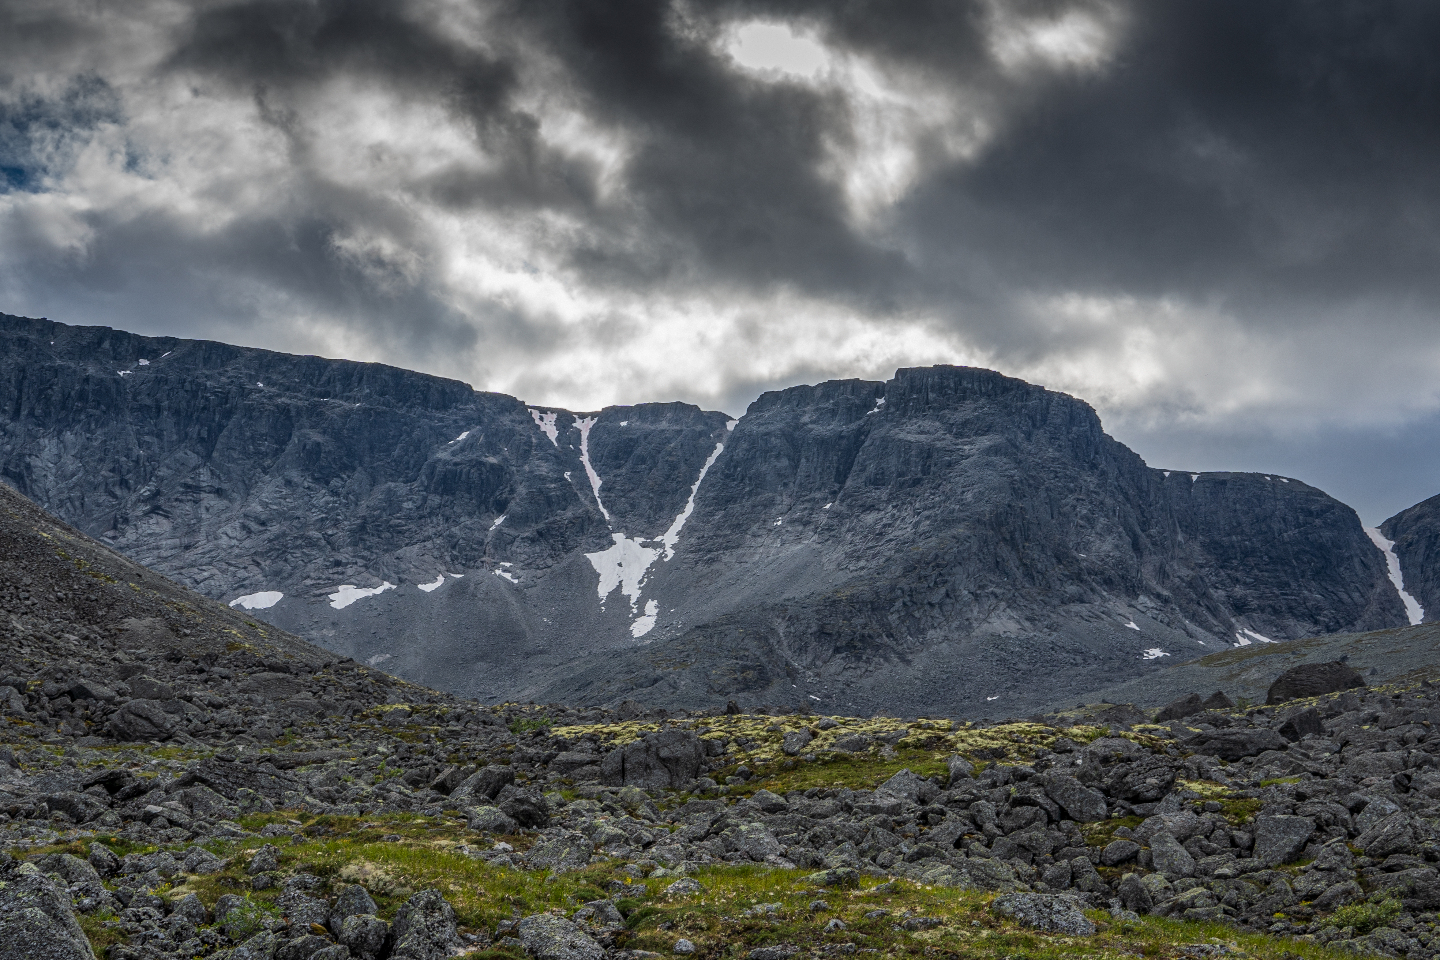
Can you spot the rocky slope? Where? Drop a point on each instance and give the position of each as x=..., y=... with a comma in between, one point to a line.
x=177, y=781
x=950, y=541
x=1415, y=534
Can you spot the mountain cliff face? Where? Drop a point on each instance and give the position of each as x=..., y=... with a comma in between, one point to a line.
x=1415, y=536
x=948, y=541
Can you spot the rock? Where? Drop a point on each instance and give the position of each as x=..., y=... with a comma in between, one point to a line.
x=527, y=810
x=1280, y=839
x=424, y=928
x=794, y=743
x=1376, y=809
x=782, y=951
x=1134, y=895
x=838, y=877
x=1236, y=744
x=103, y=859
x=90, y=690
x=1218, y=701
x=1394, y=834
x=364, y=935
x=1313, y=680
x=561, y=853
x=1186, y=706
x=770, y=802
x=301, y=948
x=37, y=921
x=1078, y=801
x=904, y=784
x=148, y=688
x=352, y=900
x=548, y=937
x=485, y=784
x=960, y=768
x=1119, y=851
x=1051, y=913
x=1301, y=724
x=1169, y=857
x=667, y=760
x=265, y=860
x=490, y=820
x=139, y=720
x=684, y=887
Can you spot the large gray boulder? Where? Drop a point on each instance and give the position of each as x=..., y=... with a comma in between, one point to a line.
x=667, y=760
x=1280, y=839
x=1313, y=680
x=1051, y=913
x=548, y=937
x=1077, y=800
x=1236, y=744
x=424, y=928
x=36, y=919
x=140, y=720
x=485, y=784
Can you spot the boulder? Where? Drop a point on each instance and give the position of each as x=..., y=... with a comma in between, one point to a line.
x=904, y=784
x=1313, y=680
x=794, y=743
x=1301, y=724
x=1236, y=744
x=561, y=853
x=549, y=937
x=1218, y=701
x=364, y=935
x=140, y=720
x=1050, y=913
x=424, y=928
x=1280, y=839
x=37, y=921
x=148, y=688
x=667, y=760
x=1169, y=857
x=485, y=784
x=1078, y=801
x=1186, y=706
x=488, y=819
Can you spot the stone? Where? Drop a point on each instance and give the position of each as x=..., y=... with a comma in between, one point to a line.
x=37, y=921
x=1119, y=851
x=527, y=810
x=904, y=784
x=265, y=860
x=770, y=802
x=959, y=768
x=1169, y=857
x=1394, y=834
x=794, y=743
x=1313, y=680
x=1134, y=895
x=1050, y=913
x=301, y=948
x=1301, y=724
x=684, y=887
x=488, y=819
x=1186, y=706
x=424, y=928
x=1218, y=701
x=148, y=688
x=484, y=784
x=1236, y=744
x=1281, y=839
x=364, y=935
x=837, y=877
x=666, y=760
x=352, y=900
x=141, y=720
x=1079, y=802
x=561, y=853
x=548, y=937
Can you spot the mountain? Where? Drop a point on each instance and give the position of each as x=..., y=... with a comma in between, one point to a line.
x=950, y=541
x=1413, y=537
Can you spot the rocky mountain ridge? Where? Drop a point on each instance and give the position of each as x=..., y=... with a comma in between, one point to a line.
x=950, y=541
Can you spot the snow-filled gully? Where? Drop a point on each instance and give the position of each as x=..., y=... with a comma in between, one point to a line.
x=1413, y=610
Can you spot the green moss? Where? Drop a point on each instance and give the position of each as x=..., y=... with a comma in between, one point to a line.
x=1378, y=911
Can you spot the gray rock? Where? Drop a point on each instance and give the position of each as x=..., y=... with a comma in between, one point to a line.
x=489, y=819
x=424, y=928
x=1301, y=724
x=265, y=860
x=667, y=760
x=140, y=720
x=1119, y=851
x=485, y=784
x=1313, y=680
x=352, y=900
x=1236, y=744
x=770, y=802
x=794, y=743
x=548, y=937
x=903, y=784
x=1051, y=913
x=1169, y=857
x=364, y=935
x=1280, y=839
x=1394, y=834
x=148, y=688
x=561, y=853
x=1377, y=809
x=36, y=918
x=1078, y=801
x=960, y=768
x=301, y=948
x=1134, y=895
x=1186, y=706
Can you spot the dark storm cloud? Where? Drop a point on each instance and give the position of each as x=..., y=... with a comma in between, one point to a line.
x=598, y=182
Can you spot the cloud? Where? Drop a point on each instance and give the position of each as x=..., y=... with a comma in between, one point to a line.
x=1211, y=219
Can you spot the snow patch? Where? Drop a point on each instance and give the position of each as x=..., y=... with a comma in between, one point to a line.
x=879, y=402
x=730, y=425
x=646, y=623
x=1132, y=625
x=624, y=423
x=672, y=536
x=1194, y=477
x=546, y=423
x=1257, y=636
x=433, y=585
x=1154, y=653
x=1413, y=610
x=379, y=658
x=623, y=566
x=347, y=594
x=461, y=437
x=263, y=600
x=1167, y=473
x=827, y=506
x=996, y=697
x=584, y=426
x=498, y=520
x=144, y=363
x=124, y=373
x=260, y=385
x=507, y=575
x=778, y=522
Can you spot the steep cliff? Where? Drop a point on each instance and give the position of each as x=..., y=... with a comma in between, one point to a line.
x=951, y=540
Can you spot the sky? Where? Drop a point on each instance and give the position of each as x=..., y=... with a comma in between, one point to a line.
x=1217, y=221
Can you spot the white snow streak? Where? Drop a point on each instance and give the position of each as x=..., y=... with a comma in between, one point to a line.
x=1132, y=625
x=1194, y=477
x=646, y=623
x=461, y=437
x=378, y=659
x=258, y=601
x=498, y=520
x=433, y=585
x=507, y=575
x=1154, y=653
x=879, y=402
x=623, y=566
x=144, y=363
x=996, y=697
x=347, y=594
x=1257, y=636
x=546, y=422
x=1413, y=610
x=730, y=425
x=672, y=536
x=595, y=481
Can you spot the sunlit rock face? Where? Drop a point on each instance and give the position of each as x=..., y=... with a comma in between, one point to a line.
x=948, y=541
